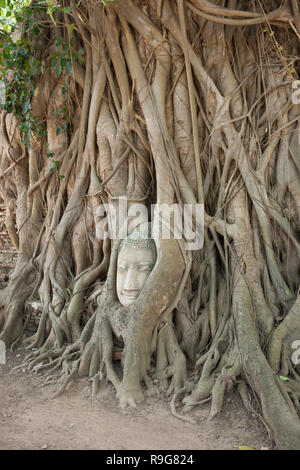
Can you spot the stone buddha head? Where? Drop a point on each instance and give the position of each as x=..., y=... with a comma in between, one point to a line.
x=136, y=259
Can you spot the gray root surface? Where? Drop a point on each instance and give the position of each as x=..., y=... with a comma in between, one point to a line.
x=176, y=102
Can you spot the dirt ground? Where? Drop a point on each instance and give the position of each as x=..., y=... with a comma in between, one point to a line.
x=29, y=420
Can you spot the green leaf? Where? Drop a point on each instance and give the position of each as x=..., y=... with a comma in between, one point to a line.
x=53, y=61
x=72, y=26
x=68, y=68
x=285, y=379
x=58, y=130
x=58, y=40
x=26, y=107
x=58, y=70
x=51, y=16
x=61, y=177
x=36, y=30
x=41, y=130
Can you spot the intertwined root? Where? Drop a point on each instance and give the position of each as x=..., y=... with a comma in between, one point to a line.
x=180, y=106
x=170, y=360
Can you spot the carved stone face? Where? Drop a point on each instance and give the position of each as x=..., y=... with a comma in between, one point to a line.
x=134, y=266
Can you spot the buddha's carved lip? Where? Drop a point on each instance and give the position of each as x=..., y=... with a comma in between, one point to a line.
x=130, y=295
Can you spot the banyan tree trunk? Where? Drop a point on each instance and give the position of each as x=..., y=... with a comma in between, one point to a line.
x=175, y=101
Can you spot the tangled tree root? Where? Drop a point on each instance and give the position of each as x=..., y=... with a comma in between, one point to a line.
x=171, y=102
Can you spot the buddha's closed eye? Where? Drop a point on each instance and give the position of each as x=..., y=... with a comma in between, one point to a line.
x=145, y=267
x=142, y=267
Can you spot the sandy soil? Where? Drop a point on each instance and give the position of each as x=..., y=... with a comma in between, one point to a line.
x=29, y=420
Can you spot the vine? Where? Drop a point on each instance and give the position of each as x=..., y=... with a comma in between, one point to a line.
x=20, y=65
